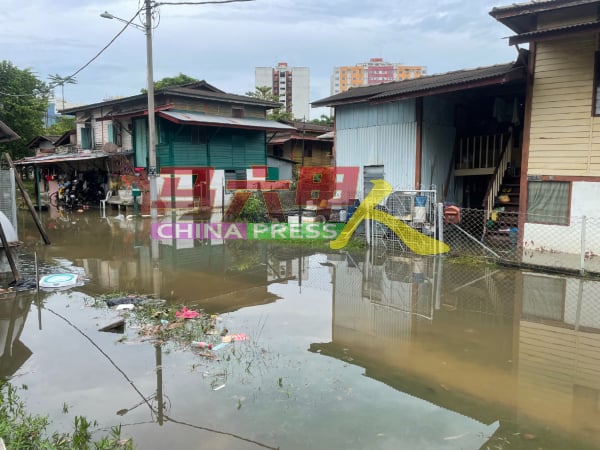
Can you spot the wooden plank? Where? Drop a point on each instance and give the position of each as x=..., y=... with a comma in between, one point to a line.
x=564, y=115
x=575, y=106
x=543, y=156
x=564, y=98
x=558, y=171
x=564, y=71
x=577, y=131
x=557, y=134
x=555, y=342
x=568, y=44
x=560, y=140
x=549, y=122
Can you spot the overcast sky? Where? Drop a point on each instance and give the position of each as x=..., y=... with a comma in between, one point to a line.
x=222, y=44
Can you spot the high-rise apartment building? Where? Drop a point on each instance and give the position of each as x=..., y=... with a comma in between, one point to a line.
x=375, y=71
x=290, y=84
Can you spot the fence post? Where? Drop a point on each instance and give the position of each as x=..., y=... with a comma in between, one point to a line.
x=582, y=253
x=440, y=221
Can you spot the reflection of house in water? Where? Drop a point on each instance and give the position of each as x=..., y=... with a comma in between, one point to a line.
x=13, y=314
x=283, y=266
x=447, y=333
x=217, y=277
x=559, y=349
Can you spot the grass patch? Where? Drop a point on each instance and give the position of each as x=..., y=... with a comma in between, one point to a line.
x=21, y=430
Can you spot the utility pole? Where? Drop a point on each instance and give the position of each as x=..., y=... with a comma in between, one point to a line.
x=152, y=170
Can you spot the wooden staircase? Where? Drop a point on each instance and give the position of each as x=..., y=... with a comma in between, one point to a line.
x=502, y=220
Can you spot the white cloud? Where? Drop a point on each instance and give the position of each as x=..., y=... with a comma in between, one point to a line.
x=223, y=43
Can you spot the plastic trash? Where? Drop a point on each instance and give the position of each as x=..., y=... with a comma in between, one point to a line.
x=187, y=314
x=201, y=344
x=123, y=306
x=220, y=346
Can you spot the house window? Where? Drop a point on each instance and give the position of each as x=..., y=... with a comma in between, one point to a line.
x=237, y=112
x=86, y=136
x=548, y=202
x=278, y=151
x=114, y=133
x=596, y=96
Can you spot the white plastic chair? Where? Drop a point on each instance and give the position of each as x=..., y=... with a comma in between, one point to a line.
x=103, y=203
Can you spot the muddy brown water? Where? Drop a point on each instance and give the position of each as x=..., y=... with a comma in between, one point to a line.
x=358, y=350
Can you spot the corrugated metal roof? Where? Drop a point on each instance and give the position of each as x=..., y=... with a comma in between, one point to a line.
x=548, y=33
x=231, y=122
x=231, y=98
x=536, y=6
x=522, y=17
x=36, y=140
x=194, y=90
x=294, y=137
x=426, y=85
x=326, y=136
x=57, y=158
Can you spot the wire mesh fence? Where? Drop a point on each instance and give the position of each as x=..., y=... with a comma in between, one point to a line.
x=507, y=237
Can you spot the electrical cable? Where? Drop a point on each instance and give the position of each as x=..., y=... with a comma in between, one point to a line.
x=145, y=399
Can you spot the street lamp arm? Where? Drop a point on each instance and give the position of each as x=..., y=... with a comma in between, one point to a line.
x=107, y=15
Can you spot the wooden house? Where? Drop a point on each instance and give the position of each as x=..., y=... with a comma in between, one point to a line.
x=303, y=145
x=198, y=128
x=41, y=145
x=456, y=133
x=560, y=176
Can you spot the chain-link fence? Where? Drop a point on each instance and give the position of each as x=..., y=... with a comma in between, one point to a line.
x=567, y=244
x=570, y=246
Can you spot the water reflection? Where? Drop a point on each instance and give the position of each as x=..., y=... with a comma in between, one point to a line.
x=515, y=352
x=13, y=314
x=491, y=344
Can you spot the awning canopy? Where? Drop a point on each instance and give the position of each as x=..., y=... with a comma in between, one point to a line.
x=197, y=118
x=59, y=158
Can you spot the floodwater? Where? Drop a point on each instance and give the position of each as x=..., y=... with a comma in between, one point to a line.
x=358, y=350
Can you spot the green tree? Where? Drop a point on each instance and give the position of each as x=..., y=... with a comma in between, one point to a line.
x=323, y=120
x=23, y=103
x=172, y=81
x=266, y=93
x=62, y=125
x=57, y=80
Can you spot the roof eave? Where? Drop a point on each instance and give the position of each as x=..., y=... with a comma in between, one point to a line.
x=548, y=35
x=518, y=74
x=505, y=12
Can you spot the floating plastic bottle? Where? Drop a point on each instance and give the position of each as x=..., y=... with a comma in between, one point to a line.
x=201, y=344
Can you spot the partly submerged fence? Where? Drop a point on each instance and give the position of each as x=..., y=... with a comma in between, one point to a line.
x=572, y=247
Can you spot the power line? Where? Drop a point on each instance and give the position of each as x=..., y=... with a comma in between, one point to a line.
x=201, y=3
x=106, y=46
x=53, y=85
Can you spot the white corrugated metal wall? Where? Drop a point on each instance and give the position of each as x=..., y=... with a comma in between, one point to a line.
x=439, y=134
x=368, y=135
x=385, y=134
